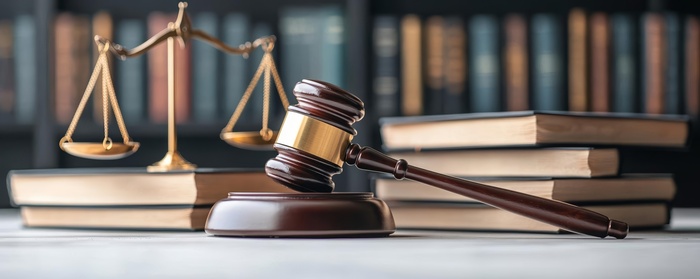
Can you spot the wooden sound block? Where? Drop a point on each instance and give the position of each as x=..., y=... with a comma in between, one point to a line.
x=300, y=215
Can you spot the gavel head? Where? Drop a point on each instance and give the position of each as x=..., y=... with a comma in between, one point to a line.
x=313, y=138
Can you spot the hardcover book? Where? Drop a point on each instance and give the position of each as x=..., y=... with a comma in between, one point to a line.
x=533, y=128
x=133, y=186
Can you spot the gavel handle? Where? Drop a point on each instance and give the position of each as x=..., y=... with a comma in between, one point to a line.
x=556, y=213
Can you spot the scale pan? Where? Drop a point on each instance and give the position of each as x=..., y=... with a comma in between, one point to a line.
x=249, y=140
x=96, y=151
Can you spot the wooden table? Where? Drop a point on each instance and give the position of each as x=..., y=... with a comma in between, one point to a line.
x=53, y=253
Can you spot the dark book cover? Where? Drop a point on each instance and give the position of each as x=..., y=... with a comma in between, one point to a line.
x=624, y=64
x=547, y=56
x=131, y=73
x=484, y=64
x=454, y=96
x=385, y=83
x=205, y=63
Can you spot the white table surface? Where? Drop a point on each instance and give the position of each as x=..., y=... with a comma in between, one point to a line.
x=54, y=253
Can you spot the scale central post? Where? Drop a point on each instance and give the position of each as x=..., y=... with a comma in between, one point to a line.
x=172, y=160
x=181, y=31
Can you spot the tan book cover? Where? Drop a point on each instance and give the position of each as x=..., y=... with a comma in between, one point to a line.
x=516, y=63
x=411, y=78
x=578, y=78
x=600, y=62
x=654, y=59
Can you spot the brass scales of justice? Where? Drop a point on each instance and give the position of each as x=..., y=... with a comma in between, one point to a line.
x=181, y=30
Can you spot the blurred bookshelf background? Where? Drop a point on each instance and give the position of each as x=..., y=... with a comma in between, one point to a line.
x=400, y=57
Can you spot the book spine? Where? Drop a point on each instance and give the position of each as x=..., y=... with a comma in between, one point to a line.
x=131, y=77
x=386, y=69
x=455, y=65
x=672, y=94
x=205, y=62
x=653, y=63
x=235, y=32
x=183, y=81
x=411, y=53
x=65, y=85
x=82, y=53
x=692, y=66
x=624, y=65
x=332, y=44
x=157, y=71
x=484, y=64
x=578, y=79
x=599, y=45
x=516, y=63
x=296, y=28
x=25, y=68
x=7, y=77
x=434, y=62
x=547, y=57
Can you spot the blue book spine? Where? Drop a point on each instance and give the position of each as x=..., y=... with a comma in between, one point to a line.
x=298, y=49
x=623, y=64
x=331, y=20
x=131, y=74
x=547, y=81
x=484, y=77
x=672, y=92
x=205, y=93
x=235, y=32
x=25, y=68
x=385, y=85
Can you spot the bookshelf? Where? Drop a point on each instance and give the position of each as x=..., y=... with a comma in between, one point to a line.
x=34, y=145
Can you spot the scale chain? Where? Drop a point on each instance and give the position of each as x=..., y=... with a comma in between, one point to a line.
x=265, y=131
x=83, y=101
x=244, y=100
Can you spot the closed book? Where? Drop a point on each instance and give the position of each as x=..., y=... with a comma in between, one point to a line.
x=600, y=62
x=547, y=63
x=624, y=64
x=332, y=35
x=72, y=57
x=157, y=71
x=25, y=68
x=434, y=61
x=484, y=64
x=653, y=65
x=485, y=218
x=578, y=61
x=516, y=63
x=298, y=31
x=542, y=162
x=627, y=188
x=205, y=68
x=385, y=83
x=136, y=218
x=672, y=72
x=692, y=66
x=131, y=73
x=235, y=32
x=132, y=186
x=454, y=94
x=411, y=66
x=7, y=72
x=532, y=128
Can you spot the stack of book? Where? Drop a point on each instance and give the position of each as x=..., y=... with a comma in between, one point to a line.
x=565, y=156
x=128, y=198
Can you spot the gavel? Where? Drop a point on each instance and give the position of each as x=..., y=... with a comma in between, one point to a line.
x=315, y=140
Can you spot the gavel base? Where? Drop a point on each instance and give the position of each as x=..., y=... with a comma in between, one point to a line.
x=300, y=215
